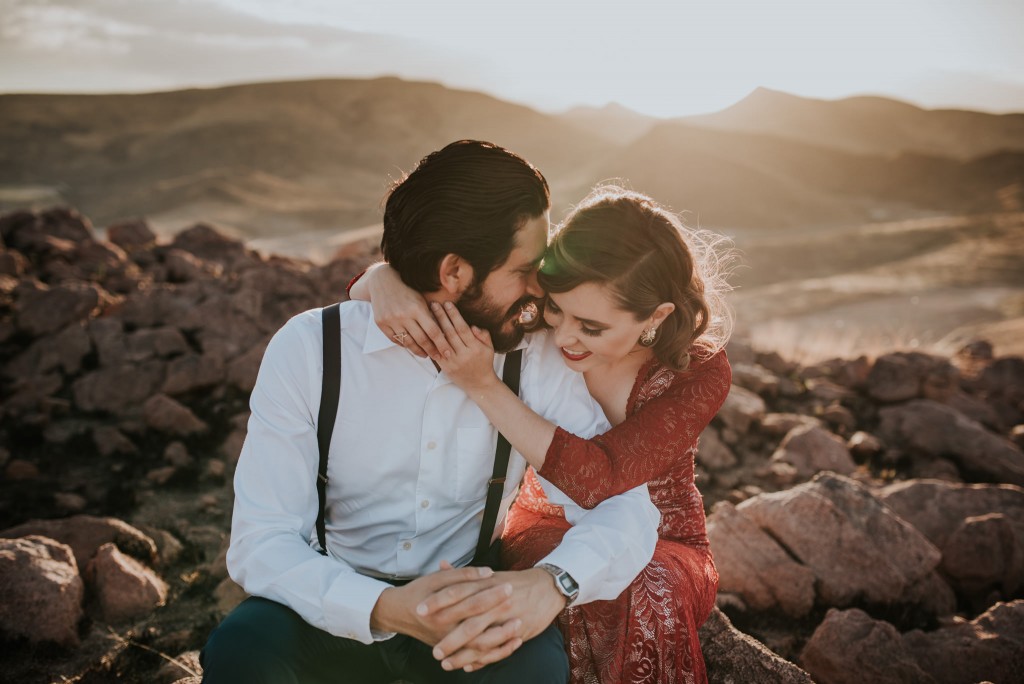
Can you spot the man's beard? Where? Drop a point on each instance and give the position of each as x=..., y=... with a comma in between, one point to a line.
x=503, y=326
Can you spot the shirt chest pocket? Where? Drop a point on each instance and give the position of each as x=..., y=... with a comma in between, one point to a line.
x=474, y=462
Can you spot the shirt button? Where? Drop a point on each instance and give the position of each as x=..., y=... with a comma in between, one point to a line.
x=424, y=504
x=407, y=545
x=431, y=446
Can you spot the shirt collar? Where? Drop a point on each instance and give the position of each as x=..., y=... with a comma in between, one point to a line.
x=376, y=339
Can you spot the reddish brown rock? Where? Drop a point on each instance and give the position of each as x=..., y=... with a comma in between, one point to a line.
x=47, y=310
x=988, y=648
x=40, y=590
x=850, y=647
x=778, y=424
x=109, y=440
x=752, y=564
x=86, y=533
x=856, y=548
x=732, y=656
x=155, y=343
x=206, y=242
x=114, y=390
x=839, y=418
x=812, y=449
x=755, y=378
x=125, y=589
x=131, y=236
x=983, y=553
x=63, y=351
x=167, y=415
x=713, y=453
x=741, y=410
x=863, y=445
x=192, y=371
x=903, y=375
x=183, y=266
x=934, y=429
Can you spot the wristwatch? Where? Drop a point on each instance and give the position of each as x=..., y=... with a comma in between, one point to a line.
x=564, y=582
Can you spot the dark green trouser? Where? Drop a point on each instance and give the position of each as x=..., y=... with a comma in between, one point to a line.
x=263, y=642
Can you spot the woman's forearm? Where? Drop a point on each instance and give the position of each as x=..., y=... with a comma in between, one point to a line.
x=360, y=288
x=530, y=434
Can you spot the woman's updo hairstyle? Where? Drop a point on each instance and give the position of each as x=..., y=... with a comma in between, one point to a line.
x=644, y=254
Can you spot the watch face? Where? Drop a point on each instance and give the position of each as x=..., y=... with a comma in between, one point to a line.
x=568, y=583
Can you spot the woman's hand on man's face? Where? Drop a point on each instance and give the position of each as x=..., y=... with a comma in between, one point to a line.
x=469, y=361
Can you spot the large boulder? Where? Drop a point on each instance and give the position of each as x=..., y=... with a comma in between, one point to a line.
x=856, y=547
x=733, y=657
x=40, y=590
x=125, y=589
x=988, y=648
x=850, y=647
x=936, y=430
x=84, y=534
x=811, y=449
x=752, y=565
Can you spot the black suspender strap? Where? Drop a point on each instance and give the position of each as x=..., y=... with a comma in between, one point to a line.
x=496, y=485
x=329, y=393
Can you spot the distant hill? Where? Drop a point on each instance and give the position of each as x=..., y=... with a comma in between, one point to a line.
x=612, y=122
x=266, y=158
x=280, y=160
x=757, y=181
x=870, y=125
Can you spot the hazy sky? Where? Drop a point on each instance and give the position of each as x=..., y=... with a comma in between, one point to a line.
x=660, y=57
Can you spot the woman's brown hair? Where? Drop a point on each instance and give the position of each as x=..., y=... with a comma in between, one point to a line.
x=644, y=254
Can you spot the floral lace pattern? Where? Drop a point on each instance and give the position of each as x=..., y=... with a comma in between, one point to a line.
x=648, y=634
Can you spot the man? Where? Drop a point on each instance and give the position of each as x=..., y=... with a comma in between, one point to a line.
x=410, y=459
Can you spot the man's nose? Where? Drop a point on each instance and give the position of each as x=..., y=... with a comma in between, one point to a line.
x=533, y=287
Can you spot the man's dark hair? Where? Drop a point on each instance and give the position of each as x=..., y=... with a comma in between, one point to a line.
x=468, y=199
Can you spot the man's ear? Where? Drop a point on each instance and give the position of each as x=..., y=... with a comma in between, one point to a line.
x=456, y=275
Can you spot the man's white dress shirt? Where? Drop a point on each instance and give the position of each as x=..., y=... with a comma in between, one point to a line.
x=410, y=458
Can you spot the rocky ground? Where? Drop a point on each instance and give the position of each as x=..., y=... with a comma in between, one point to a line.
x=867, y=515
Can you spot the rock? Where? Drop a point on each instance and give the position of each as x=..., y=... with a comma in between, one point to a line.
x=206, y=242
x=845, y=372
x=177, y=455
x=934, y=429
x=755, y=378
x=86, y=533
x=863, y=446
x=712, y=453
x=107, y=335
x=114, y=390
x=167, y=415
x=733, y=657
x=242, y=370
x=778, y=424
x=977, y=350
x=192, y=372
x=69, y=502
x=63, y=351
x=49, y=309
x=228, y=595
x=109, y=441
x=742, y=408
x=812, y=449
x=40, y=590
x=183, y=267
x=827, y=391
x=904, y=375
x=984, y=553
x=752, y=565
x=131, y=236
x=850, y=647
x=776, y=364
x=975, y=409
x=159, y=306
x=20, y=470
x=988, y=648
x=840, y=418
x=1002, y=384
x=155, y=343
x=856, y=548
x=169, y=549
x=125, y=589
x=739, y=351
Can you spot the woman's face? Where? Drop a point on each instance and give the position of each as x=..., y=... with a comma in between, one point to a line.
x=590, y=328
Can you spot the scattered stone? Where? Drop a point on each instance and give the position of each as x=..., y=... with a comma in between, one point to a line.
x=20, y=470
x=984, y=553
x=167, y=415
x=712, y=453
x=69, y=502
x=131, y=236
x=863, y=446
x=827, y=391
x=206, y=242
x=49, y=309
x=741, y=410
x=109, y=441
x=988, y=648
x=850, y=647
x=161, y=476
x=40, y=590
x=177, y=455
x=732, y=656
x=934, y=429
x=125, y=589
x=840, y=418
x=778, y=424
x=159, y=342
x=776, y=364
x=86, y=533
x=114, y=390
x=755, y=378
x=192, y=371
x=183, y=267
x=811, y=449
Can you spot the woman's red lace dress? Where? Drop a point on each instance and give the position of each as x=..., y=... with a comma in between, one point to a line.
x=648, y=634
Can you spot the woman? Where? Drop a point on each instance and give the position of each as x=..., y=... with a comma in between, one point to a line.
x=635, y=306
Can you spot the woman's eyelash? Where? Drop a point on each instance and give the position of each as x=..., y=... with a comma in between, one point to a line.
x=589, y=331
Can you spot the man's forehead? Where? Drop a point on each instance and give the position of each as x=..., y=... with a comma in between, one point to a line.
x=531, y=241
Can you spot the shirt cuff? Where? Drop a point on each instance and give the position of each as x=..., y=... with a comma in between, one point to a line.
x=583, y=565
x=348, y=605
